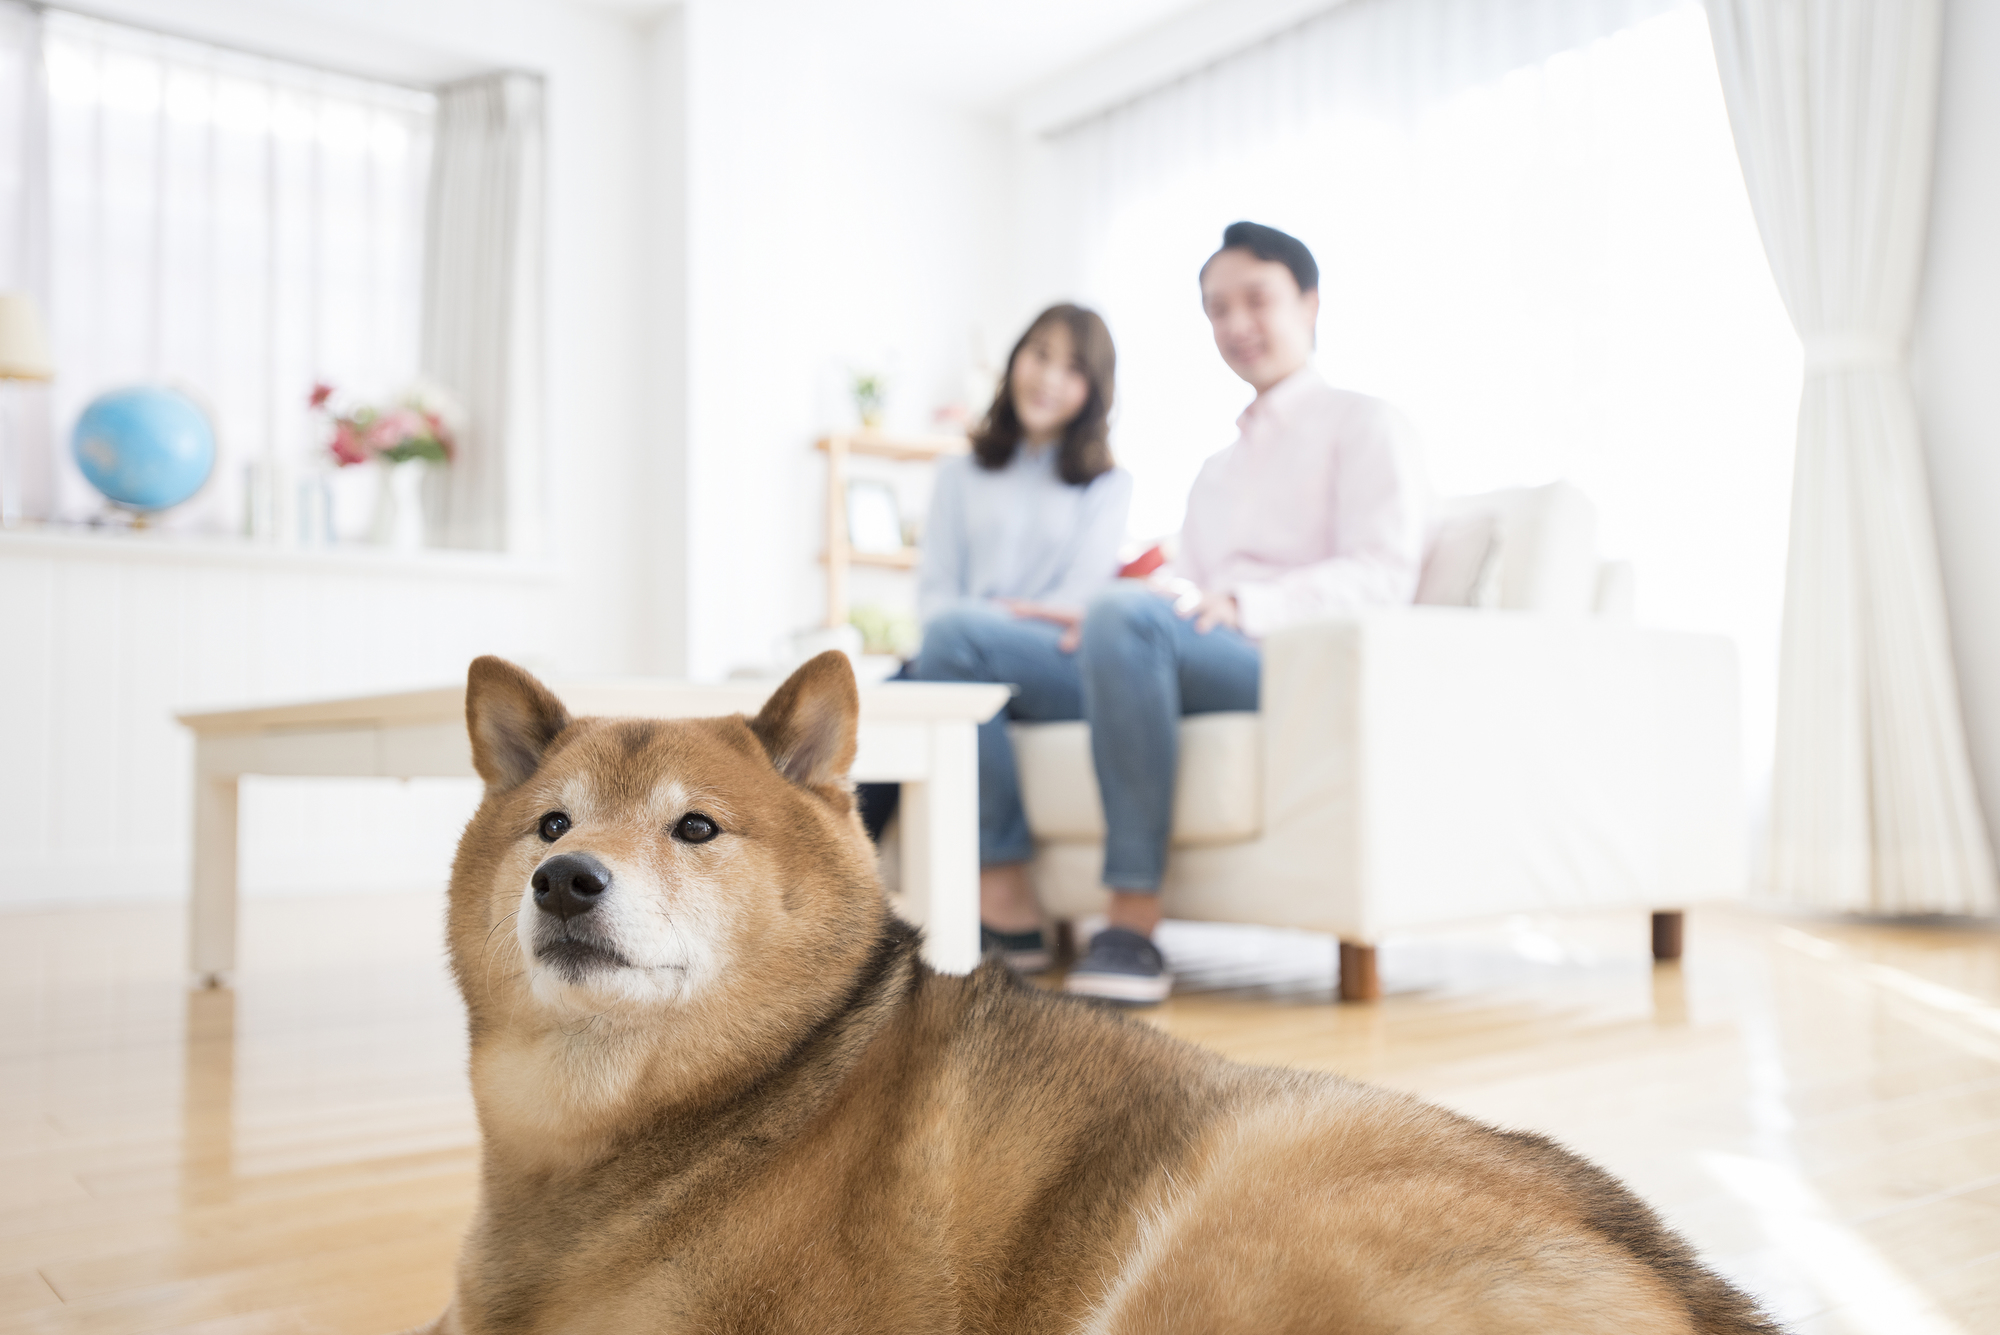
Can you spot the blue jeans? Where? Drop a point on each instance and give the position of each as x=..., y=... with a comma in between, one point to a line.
x=978, y=642
x=1139, y=670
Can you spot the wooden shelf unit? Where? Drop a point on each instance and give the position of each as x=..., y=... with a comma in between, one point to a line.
x=840, y=556
x=904, y=560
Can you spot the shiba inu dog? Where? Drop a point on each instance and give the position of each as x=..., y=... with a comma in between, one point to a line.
x=719, y=1092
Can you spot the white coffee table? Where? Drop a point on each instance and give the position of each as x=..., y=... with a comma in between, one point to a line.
x=918, y=734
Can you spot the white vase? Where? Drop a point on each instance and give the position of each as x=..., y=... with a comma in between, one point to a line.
x=399, y=506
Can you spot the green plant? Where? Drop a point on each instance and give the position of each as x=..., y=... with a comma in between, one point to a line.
x=884, y=631
x=870, y=389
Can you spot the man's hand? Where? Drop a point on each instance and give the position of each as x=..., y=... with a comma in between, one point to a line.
x=1068, y=618
x=1212, y=610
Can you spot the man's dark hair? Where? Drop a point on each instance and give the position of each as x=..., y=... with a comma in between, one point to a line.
x=1268, y=243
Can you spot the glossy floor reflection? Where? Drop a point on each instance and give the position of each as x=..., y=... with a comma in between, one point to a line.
x=293, y=1154
x=1816, y=1103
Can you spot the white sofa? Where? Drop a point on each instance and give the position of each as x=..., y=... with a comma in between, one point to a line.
x=1525, y=750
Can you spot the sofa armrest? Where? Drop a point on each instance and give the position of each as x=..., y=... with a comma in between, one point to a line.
x=1430, y=765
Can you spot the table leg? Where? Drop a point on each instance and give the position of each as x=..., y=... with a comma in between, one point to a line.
x=940, y=854
x=212, y=907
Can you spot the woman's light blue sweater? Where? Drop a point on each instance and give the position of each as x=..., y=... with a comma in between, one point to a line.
x=1020, y=532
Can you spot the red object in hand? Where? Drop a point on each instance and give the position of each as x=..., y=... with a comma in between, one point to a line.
x=1144, y=564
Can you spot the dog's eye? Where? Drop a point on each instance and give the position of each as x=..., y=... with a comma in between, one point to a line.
x=695, y=828
x=554, y=826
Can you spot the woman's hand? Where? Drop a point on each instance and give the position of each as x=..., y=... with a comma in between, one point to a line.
x=1068, y=618
x=1212, y=610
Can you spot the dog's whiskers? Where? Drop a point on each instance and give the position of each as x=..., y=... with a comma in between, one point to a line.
x=486, y=947
x=507, y=918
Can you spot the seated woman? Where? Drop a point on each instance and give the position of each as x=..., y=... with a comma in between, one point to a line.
x=1021, y=535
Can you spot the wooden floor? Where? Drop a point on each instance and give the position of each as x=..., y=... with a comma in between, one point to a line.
x=1816, y=1104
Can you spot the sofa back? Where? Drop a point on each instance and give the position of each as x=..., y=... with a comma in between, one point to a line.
x=1525, y=549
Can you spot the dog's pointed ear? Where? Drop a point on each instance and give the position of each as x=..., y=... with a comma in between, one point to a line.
x=807, y=726
x=512, y=718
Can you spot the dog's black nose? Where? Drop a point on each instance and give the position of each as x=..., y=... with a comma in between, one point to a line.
x=570, y=884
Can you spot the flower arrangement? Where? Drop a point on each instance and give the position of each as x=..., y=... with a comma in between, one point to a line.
x=423, y=422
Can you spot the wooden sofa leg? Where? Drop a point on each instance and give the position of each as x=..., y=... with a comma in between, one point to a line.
x=1667, y=934
x=1358, y=979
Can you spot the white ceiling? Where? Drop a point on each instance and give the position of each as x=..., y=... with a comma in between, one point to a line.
x=984, y=53
x=967, y=53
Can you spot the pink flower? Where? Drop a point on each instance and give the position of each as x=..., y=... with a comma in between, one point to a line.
x=442, y=435
x=394, y=427
x=348, y=446
x=417, y=427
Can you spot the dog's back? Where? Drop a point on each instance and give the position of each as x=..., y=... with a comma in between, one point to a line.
x=740, y=1102
x=1164, y=1188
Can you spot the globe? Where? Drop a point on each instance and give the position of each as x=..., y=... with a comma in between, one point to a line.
x=145, y=448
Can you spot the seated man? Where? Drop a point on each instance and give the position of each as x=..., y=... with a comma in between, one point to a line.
x=1316, y=509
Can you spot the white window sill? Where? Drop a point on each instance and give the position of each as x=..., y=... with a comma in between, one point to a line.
x=154, y=546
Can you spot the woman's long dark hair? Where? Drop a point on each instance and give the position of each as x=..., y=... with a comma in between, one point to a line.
x=1085, y=452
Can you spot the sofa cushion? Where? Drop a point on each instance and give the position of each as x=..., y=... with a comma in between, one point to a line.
x=1544, y=559
x=1548, y=551
x=1617, y=591
x=1218, y=795
x=1461, y=557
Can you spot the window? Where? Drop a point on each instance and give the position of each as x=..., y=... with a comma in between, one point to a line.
x=1553, y=269
x=232, y=225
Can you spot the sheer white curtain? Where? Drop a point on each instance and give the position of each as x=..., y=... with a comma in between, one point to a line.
x=1533, y=237
x=23, y=222
x=25, y=465
x=234, y=225
x=482, y=309
x=1872, y=804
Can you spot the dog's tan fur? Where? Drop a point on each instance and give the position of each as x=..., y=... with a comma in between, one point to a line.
x=773, y=1117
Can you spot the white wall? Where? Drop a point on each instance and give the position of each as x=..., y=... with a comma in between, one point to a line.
x=104, y=641
x=661, y=549
x=831, y=223
x=1957, y=363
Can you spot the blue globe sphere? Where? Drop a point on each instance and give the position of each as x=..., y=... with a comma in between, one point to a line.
x=145, y=448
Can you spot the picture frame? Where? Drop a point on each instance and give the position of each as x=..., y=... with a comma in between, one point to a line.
x=874, y=520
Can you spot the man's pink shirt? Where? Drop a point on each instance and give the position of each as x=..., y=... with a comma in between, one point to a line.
x=1316, y=509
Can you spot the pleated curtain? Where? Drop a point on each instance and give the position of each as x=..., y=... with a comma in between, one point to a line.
x=1833, y=106
x=1387, y=59
x=482, y=310
x=26, y=469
